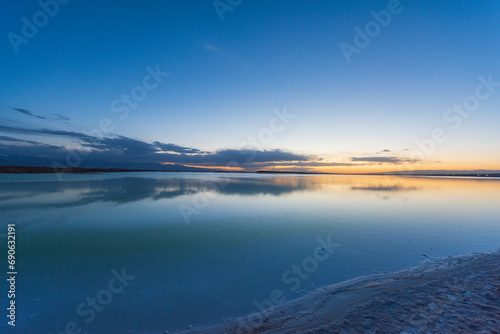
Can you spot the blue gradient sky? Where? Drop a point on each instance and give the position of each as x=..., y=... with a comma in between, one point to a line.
x=226, y=77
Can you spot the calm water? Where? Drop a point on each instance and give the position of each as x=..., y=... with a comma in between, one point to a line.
x=203, y=247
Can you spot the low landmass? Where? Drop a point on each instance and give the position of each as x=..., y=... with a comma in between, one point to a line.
x=402, y=173
x=48, y=170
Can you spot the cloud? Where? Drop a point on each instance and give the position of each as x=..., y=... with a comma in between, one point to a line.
x=383, y=151
x=305, y=164
x=126, y=149
x=57, y=117
x=131, y=146
x=27, y=112
x=176, y=148
x=43, y=132
x=128, y=146
x=212, y=48
x=36, y=150
x=384, y=160
x=61, y=117
x=228, y=57
x=7, y=120
x=17, y=140
x=243, y=156
x=122, y=149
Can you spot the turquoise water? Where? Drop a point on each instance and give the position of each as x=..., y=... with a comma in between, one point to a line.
x=202, y=247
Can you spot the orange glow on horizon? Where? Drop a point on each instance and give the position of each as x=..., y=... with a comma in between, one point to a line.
x=364, y=168
x=384, y=168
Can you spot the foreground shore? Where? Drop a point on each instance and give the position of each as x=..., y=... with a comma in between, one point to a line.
x=452, y=295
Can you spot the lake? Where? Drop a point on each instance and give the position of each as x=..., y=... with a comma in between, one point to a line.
x=149, y=252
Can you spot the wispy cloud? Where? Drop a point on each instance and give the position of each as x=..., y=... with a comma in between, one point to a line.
x=57, y=117
x=43, y=132
x=17, y=140
x=384, y=160
x=212, y=48
x=61, y=117
x=307, y=164
x=226, y=55
x=27, y=112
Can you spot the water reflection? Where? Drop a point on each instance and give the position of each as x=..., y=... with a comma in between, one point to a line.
x=236, y=249
x=131, y=189
x=155, y=187
x=394, y=188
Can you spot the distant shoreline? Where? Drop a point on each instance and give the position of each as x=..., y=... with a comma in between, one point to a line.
x=49, y=170
x=390, y=173
x=69, y=170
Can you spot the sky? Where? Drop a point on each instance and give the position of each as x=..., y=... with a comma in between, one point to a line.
x=329, y=86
